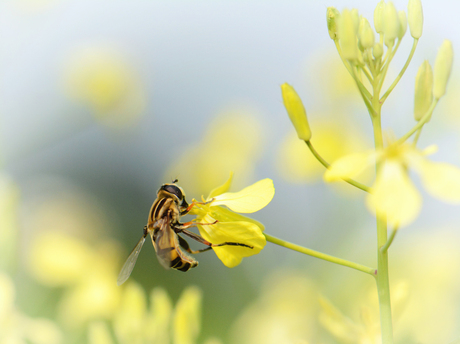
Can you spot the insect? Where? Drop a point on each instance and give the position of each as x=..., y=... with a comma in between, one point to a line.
x=164, y=227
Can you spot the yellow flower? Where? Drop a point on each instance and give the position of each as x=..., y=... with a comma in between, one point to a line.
x=233, y=227
x=159, y=323
x=393, y=195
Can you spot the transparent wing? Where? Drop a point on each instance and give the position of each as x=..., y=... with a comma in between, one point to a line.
x=165, y=245
x=130, y=262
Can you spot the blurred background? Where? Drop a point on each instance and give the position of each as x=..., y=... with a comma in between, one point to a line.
x=104, y=101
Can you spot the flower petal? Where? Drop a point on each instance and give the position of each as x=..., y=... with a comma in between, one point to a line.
x=348, y=166
x=226, y=215
x=222, y=188
x=240, y=231
x=442, y=180
x=248, y=200
x=394, y=195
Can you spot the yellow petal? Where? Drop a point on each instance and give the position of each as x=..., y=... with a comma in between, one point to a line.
x=128, y=321
x=394, y=195
x=187, y=317
x=337, y=323
x=222, y=214
x=222, y=188
x=242, y=232
x=348, y=166
x=250, y=199
x=442, y=180
x=159, y=317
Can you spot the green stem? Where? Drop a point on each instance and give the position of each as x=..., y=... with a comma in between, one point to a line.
x=326, y=164
x=426, y=117
x=417, y=136
x=383, y=280
x=320, y=255
x=387, y=245
x=362, y=89
x=395, y=82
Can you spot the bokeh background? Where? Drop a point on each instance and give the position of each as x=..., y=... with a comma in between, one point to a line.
x=103, y=101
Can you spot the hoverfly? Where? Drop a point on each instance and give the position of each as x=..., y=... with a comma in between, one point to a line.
x=164, y=227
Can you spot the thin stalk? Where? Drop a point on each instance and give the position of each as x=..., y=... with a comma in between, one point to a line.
x=401, y=73
x=362, y=89
x=417, y=136
x=326, y=164
x=383, y=280
x=387, y=245
x=420, y=124
x=323, y=256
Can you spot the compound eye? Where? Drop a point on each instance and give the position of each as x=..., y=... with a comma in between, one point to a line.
x=174, y=189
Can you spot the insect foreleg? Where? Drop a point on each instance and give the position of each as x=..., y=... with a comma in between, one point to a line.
x=191, y=205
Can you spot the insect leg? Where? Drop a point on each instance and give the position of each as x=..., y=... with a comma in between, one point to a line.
x=194, y=202
x=184, y=244
x=207, y=243
x=179, y=227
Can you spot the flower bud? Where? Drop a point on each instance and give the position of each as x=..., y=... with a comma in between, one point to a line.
x=331, y=17
x=390, y=24
x=415, y=18
x=423, y=96
x=402, y=24
x=347, y=35
x=296, y=111
x=442, y=68
x=355, y=15
x=377, y=51
x=365, y=34
x=378, y=17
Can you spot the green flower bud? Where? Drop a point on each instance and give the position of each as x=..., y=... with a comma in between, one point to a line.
x=415, y=18
x=402, y=24
x=390, y=24
x=296, y=111
x=442, y=68
x=347, y=35
x=423, y=96
x=365, y=34
x=377, y=51
x=378, y=17
x=331, y=17
x=355, y=15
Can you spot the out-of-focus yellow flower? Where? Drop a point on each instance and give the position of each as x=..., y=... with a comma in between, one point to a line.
x=134, y=323
x=232, y=142
x=365, y=328
x=58, y=259
x=393, y=194
x=95, y=295
x=435, y=251
x=285, y=311
x=102, y=79
x=233, y=227
x=129, y=322
x=187, y=317
x=345, y=329
x=15, y=327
